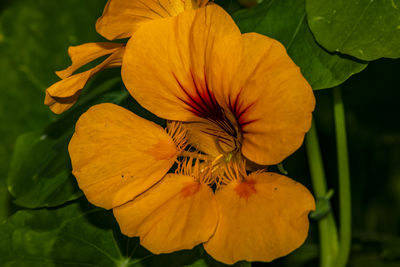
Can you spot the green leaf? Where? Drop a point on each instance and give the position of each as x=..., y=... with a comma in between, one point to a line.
x=230, y=6
x=286, y=22
x=365, y=29
x=208, y=261
x=80, y=235
x=34, y=36
x=304, y=256
x=5, y=200
x=40, y=170
x=60, y=237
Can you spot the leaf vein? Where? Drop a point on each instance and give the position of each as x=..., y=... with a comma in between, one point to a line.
x=296, y=32
x=355, y=25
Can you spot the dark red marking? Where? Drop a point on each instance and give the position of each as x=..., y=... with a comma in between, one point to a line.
x=205, y=105
x=238, y=110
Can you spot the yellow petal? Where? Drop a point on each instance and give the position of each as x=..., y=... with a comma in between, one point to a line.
x=117, y=155
x=63, y=94
x=190, y=54
x=82, y=54
x=261, y=219
x=122, y=18
x=271, y=101
x=178, y=213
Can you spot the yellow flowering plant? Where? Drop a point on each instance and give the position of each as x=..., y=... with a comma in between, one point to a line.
x=178, y=159
x=120, y=19
x=234, y=103
x=181, y=69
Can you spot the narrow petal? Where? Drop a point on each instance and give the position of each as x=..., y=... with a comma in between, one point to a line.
x=63, y=94
x=117, y=155
x=270, y=99
x=262, y=218
x=122, y=18
x=188, y=53
x=178, y=213
x=82, y=54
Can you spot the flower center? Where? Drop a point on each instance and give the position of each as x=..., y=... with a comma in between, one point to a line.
x=214, y=174
x=217, y=121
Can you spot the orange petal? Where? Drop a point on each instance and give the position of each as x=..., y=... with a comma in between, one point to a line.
x=188, y=53
x=201, y=135
x=122, y=18
x=262, y=218
x=82, y=54
x=117, y=155
x=201, y=3
x=213, y=72
x=178, y=213
x=271, y=101
x=63, y=94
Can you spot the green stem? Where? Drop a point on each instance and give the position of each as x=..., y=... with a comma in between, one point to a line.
x=326, y=226
x=344, y=180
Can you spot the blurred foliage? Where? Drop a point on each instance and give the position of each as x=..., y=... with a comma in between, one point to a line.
x=34, y=36
x=40, y=169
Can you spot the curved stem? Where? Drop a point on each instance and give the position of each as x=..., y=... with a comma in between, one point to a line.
x=326, y=226
x=344, y=179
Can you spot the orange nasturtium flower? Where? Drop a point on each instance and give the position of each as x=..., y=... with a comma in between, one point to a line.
x=229, y=99
x=120, y=19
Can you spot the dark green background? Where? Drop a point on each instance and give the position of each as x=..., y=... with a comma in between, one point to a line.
x=37, y=231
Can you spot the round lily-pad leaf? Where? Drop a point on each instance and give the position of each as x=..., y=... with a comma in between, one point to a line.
x=286, y=21
x=365, y=29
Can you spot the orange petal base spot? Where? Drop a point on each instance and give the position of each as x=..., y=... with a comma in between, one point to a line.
x=178, y=213
x=163, y=150
x=270, y=223
x=108, y=155
x=245, y=189
x=190, y=189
